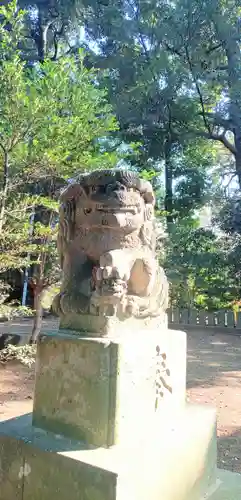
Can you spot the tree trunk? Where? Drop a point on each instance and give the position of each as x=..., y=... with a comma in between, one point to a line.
x=234, y=80
x=40, y=35
x=5, y=189
x=168, y=184
x=238, y=162
x=37, y=325
x=231, y=46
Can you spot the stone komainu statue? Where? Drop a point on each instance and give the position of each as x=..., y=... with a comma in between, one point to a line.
x=107, y=248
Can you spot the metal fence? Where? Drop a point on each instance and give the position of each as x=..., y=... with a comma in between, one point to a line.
x=222, y=319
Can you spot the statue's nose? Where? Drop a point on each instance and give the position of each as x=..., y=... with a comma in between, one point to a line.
x=116, y=188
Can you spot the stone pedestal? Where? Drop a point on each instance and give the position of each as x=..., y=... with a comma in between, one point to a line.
x=110, y=422
x=109, y=391
x=177, y=463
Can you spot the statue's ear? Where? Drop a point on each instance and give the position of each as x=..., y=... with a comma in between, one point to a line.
x=72, y=192
x=69, y=199
x=149, y=211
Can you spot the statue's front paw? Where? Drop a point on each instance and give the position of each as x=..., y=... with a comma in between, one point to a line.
x=110, y=281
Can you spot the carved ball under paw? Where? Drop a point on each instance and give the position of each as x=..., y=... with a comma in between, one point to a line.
x=109, y=282
x=132, y=309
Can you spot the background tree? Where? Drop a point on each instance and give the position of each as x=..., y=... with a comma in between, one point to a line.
x=53, y=120
x=171, y=71
x=51, y=28
x=205, y=38
x=150, y=86
x=174, y=83
x=200, y=268
x=149, y=89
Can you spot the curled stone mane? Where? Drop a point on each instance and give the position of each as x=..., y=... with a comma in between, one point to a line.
x=107, y=243
x=130, y=179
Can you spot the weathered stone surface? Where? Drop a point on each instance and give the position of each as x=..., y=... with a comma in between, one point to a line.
x=11, y=467
x=79, y=381
x=44, y=470
x=109, y=326
x=57, y=477
x=227, y=486
x=99, y=389
x=107, y=243
x=173, y=464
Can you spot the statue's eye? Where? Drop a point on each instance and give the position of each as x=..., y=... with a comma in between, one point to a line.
x=87, y=211
x=93, y=189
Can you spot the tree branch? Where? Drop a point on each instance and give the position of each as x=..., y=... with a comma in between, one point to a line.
x=15, y=140
x=141, y=39
x=203, y=113
x=221, y=138
x=223, y=67
x=172, y=49
x=229, y=182
x=2, y=147
x=214, y=47
x=56, y=34
x=218, y=120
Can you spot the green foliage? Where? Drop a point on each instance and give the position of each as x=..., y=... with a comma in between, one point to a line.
x=174, y=81
x=10, y=311
x=48, y=296
x=25, y=355
x=55, y=121
x=205, y=38
x=154, y=97
x=172, y=77
x=228, y=218
x=49, y=27
x=201, y=269
x=52, y=120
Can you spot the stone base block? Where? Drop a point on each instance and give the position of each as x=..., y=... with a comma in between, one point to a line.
x=176, y=465
x=106, y=326
x=105, y=391
x=226, y=487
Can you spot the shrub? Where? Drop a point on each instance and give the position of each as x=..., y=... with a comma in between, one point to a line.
x=25, y=354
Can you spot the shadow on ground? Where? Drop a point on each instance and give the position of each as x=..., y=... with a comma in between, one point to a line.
x=229, y=450
x=210, y=357
x=214, y=379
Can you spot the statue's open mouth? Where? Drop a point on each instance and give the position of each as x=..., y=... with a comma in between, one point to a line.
x=113, y=210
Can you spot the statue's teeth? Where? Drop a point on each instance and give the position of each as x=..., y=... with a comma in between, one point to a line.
x=107, y=272
x=99, y=274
